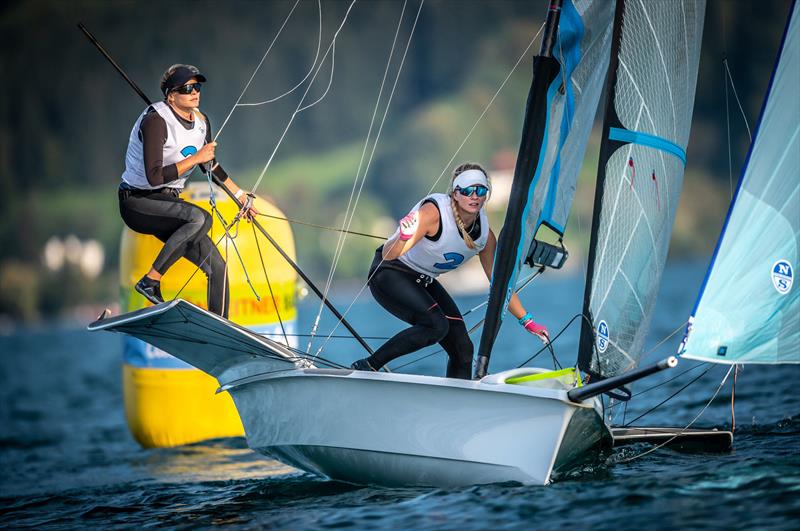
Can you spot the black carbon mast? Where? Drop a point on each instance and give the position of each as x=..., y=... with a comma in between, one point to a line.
x=545, y=69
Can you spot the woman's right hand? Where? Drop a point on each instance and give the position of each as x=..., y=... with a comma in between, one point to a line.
x=409, y=225
x=206, y=153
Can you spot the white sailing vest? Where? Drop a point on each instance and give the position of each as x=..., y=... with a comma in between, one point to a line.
x=449, y=251
x=181, y=143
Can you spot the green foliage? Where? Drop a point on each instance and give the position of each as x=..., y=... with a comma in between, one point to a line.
x=65, y=115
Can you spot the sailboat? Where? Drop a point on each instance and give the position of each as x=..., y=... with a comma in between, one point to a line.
x=524, y=424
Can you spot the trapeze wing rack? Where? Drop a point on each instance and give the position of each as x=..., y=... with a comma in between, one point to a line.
x=198, y=337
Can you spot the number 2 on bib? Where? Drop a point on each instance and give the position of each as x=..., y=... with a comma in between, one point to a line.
x=453, y=261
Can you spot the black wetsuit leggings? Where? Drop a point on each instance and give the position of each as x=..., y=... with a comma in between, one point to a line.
x=432, y=314
x=183, y=228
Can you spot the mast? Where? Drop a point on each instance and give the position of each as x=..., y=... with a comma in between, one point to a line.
x=545, y=70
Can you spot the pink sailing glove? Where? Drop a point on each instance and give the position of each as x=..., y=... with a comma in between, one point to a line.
x=409, y=225
x=538, y=330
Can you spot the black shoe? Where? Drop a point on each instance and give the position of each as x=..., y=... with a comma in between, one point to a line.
x=362, y=365
x=150, y=289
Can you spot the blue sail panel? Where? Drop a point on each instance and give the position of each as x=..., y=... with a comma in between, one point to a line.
x=582, y=49
x=749, y=308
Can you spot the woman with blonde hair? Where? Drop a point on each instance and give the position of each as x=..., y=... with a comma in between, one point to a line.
x=440, y=233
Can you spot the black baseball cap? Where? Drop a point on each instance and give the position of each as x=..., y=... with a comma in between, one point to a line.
x=178, y=75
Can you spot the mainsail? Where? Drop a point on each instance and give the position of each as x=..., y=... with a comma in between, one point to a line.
x=651, y=86
x=563, y=100
x=748, y=310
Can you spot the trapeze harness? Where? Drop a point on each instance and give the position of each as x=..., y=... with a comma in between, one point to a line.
x=149, y=202
x=408, y=289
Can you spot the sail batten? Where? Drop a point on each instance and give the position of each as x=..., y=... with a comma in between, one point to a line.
x=651, y=86
x=748, y=309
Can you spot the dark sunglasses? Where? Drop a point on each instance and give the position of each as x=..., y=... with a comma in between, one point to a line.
x=477, y=189
x=187, y=89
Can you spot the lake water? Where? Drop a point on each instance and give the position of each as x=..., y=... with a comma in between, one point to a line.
x=68, y=460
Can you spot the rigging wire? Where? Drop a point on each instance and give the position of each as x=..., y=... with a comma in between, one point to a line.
x=330, y=81
x=310, y=70
x=351, y=206
x=729, y=80
x=258, y=67
x=324, y=227
x=738, y=101
x=302, y=99
x=485, y=110
x=269, y=285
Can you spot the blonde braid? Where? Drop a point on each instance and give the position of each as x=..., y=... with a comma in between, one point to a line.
x=461, y=168
x=470, y=243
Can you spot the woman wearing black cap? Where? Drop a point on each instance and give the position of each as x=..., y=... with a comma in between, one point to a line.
x=168, y=140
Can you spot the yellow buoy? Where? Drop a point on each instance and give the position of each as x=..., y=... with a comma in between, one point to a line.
x=167, y=402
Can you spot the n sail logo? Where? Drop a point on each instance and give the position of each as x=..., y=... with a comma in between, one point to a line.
x=782, y=276
x=602, y=336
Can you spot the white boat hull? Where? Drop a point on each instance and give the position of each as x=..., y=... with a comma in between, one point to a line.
x=377, y=428
x=406, y=430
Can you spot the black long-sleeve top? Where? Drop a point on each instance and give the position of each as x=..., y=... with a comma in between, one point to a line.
x=153, y=134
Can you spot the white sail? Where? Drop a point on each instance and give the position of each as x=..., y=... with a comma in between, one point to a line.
x=749, y=308
x=640, y=175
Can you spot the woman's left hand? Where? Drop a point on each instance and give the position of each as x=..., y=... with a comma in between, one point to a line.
x=536, y=329
x=248, y=211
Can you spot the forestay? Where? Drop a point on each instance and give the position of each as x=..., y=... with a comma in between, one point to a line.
x=748, y=310
x=655, y=56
